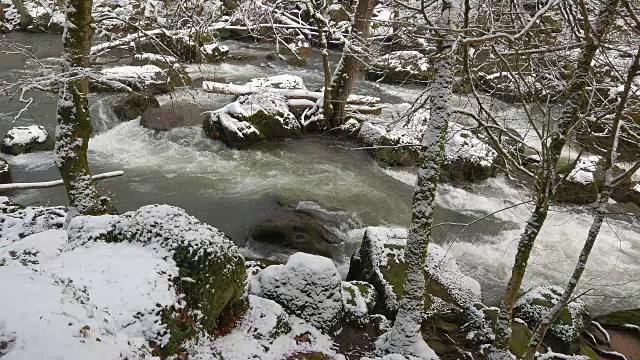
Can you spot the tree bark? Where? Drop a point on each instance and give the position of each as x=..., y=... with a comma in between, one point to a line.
x=405, y=337
x=345, y=74
x=74, y=123
x=25, y=18
x=547, y=174
x=612, y=154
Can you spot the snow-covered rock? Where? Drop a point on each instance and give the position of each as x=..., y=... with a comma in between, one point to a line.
x=211, y=270
x=290, y=82
x=396, y=147
x=25, y=139
x=580, y=185
x=380, y=262
x=358, y=301
x=502, y=86
x=308, y=286
x=466, y=156
x=564, y=334
x=255, y=117
x=100, y=301
x=400, y=67
x=177, y=73
x=147, y=78
x=17, y=223
x=5, y=172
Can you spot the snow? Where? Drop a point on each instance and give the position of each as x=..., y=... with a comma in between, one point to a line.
x=308, y=285
x=101, y=301
x=23, y=135
x=155, y=57
x=555, y=356
x=266, y=332
x=405, y=60
x=279, y=82
x=585, y=168
x=462, y=144
x=146, y=73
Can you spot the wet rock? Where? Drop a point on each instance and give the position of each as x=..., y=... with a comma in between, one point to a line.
x=400, y=67
x=147, y=78
x=252, y=118
x=564, y=334
x=26, y=139
x=133, y=105
x=306, y=227
x=380, y=262
x=159, y=119
x=627, y=192
x=308, y=286
x=5, y=172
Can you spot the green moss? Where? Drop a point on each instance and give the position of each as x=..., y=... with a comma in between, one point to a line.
x=586, y=350
x=620, y=318
x=520, y=337
x=181, y=328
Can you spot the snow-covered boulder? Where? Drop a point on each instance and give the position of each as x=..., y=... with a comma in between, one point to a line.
x=214, y=52
x=252, y=118
x=380, y=262
x=627, y=192
x=211, y=270
x=308, y=286
x=358, y=301
x=306, y=227
x=5, y=172
x=176, y=72
x=502, y=86
x=466, y=157
x=407, y=141
x=25, y=139
x=17, y=222
x=133, y=105
x=400, y=67
x=580, y=185
x=290, y=82
x=146, y=78
x=564, y=334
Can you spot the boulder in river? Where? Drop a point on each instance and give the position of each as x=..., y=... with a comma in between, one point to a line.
x=580, y=185
x=252, y=118
x=176, y=72
x=5, y=172
x=395, y=147
x=400, y=67
x=146, y=78
x=308, y=286
x=380, y=262
x=564, y=334
x=160, y=119
x=211, y=274
x=306, y=227
x=290, y=82
x=26, y=139
x=133, y=105
x=466, y=157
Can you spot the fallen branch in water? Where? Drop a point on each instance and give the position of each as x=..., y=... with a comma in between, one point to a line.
x=55, y=183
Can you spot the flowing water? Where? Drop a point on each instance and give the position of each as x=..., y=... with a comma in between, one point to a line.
x=233, y=190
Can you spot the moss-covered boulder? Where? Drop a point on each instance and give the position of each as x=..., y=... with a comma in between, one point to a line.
x=564, y=334
x=400, y=67
x=625, y=319
x=358, y=301
x=380, y=262
x=211, y=270
x=5, y=172
x=308, y=286
x=26, y=139
x=252, y=118
x=481, y=323
x=133, y=105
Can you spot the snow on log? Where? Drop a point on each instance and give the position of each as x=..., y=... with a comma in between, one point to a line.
x=50, y=184
x=239, y=90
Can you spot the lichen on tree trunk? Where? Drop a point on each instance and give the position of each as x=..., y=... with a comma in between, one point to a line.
x=74, y=122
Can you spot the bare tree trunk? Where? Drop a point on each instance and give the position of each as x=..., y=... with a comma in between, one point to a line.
x=568, y=118
x=345, y=74
x=74, y=123
x=612, y=154
x=405, y=337
x=322, y=28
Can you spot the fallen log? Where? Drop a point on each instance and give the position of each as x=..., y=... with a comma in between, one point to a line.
x=240, y=90
x=49, y=184
x=298, y=106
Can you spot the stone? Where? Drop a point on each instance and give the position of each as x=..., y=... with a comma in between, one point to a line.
x=400, y=67
x=564, y=334
x=358, y=301
x=5, y=172
x=252, y=118
x=308, y=286
x=380, y=262
x=26, y=139
x=467, y=158
x=134, y=105
x=159, y=119
x=147, y=78
x=307, y=227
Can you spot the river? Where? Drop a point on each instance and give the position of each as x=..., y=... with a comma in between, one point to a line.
x=233, y=190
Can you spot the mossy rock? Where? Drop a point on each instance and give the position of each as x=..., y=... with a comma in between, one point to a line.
x=211, y=271
x=358, y=300
x=620, y=318
x=134, y=105
x=564, y=334
x=520, y=332
x=408, y=155
x=573, y=192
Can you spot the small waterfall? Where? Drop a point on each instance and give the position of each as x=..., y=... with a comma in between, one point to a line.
x=101, y=109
